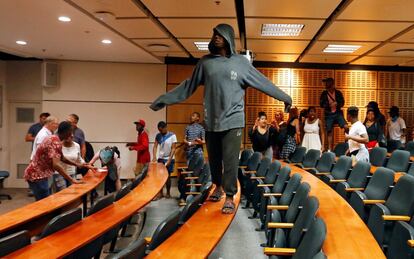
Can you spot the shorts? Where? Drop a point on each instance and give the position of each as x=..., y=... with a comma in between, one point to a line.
x=170, y=168
x=332, y=118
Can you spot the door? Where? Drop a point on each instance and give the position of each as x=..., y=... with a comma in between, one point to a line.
x=21, y=116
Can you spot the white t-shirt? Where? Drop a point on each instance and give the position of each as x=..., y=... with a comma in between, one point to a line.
x=43, y=133
x=165, y=144
x=357, y=129
x=73, y=154
x=395, y=129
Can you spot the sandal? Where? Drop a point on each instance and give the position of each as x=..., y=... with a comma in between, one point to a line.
x=228, y=207
x=216, y=195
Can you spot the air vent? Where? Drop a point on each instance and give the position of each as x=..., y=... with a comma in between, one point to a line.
x=403, y=50
x=158, y=47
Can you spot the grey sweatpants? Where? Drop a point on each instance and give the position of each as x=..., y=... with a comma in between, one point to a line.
x=223, y=154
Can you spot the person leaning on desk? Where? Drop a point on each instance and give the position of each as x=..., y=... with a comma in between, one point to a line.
x=46, y=161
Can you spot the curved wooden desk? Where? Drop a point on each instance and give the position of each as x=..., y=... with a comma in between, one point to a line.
x=34, y=216
x=347, y=235
x=75, y=236
x=200, y=234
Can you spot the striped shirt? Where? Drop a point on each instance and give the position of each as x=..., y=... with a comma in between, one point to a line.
x=192, y=132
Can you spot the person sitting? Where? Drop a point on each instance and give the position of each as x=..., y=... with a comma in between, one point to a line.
x=314, y=134
x=46, y=161
x=374, y=130
x=292, y=134
x=357, y=137
x=262, y=136
x=395, y=127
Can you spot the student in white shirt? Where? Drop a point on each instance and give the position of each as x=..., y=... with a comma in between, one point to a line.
x=50, y=126
x=396, y=128
x=357, y=137
x=167, y=142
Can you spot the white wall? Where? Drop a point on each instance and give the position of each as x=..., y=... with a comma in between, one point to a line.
x=4, y=163
x=108, y=97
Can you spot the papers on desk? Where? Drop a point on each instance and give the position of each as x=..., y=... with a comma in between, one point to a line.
x=100, y=170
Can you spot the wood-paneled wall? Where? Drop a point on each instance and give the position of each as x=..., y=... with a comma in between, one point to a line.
x=305, y=86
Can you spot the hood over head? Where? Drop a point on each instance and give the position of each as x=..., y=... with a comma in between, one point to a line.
x=227, y=32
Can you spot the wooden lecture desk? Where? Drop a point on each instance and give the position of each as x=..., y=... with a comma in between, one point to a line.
x=34, y=216
x=200, y=234
x=347, y=235
x=66, y=241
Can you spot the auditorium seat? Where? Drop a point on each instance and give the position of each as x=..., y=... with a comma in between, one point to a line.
x=244, y=157
x=309, y=247
x=289, y=234
x=310, y=159
x=324, y=164
x=3, y=176
x=409, y=146
x=339, y=172
x=399, y=161
x=377, y=156
x=164, y=230
x=357, y=180
x=13, y=242
x=398, y=206
x=61, y=221
x=297, y=156
x=340, y=149
x=135, y=250
x=201, y=186
x=393, y=145
x=252, y=165
x=411, y=169
x=139, y=178
x=377, y=189
x=190, y=208
x=398, y=247
x=253, y=176
x=125, y=189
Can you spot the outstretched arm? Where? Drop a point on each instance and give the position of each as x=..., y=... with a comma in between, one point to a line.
x=258, y=81
x=182, y=91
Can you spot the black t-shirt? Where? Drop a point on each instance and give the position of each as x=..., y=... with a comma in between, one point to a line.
x=261, y=142
x=374, y=131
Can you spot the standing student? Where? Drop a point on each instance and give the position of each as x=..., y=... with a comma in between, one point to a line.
x=280, y=125
x=292, y=134
x=314, y=134
x=332, y=101
x=225, y=76
x=46, y=161
x=35, y=128
x=166, y=140
x=141, y=146
x=357, y=137
x=194, y=137
x=262, y=136
x=50, y=126
x=78, y=134
x=396, y=128
x=374, y=130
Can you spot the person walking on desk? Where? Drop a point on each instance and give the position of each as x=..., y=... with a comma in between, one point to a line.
x=225, y=76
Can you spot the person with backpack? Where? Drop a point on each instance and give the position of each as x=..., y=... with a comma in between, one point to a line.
x=111, y=158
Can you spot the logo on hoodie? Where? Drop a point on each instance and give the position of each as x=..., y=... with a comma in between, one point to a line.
x=233, y=75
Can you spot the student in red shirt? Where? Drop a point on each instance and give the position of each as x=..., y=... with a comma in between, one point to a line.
x=141, y=146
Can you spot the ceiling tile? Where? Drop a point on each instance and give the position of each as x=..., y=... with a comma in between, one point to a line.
x=395, y=10
x=137, y=28
x=191, y=8
x=189, y=44
x=406, y=37
x=389, y=50
x=381, y=61
x=254, y=27
x=319, y=46
x=290, y=8
x=196, y=28
x=180, y=54
x=145, y=44
x=363, y=31
x=276, y=57
x=49, y=38
x=276, y=46
x=120, y=8
x=330, y=59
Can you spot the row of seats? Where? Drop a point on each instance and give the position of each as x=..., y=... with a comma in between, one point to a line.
x=21, y=239
x=284, y=207
x=385, y=207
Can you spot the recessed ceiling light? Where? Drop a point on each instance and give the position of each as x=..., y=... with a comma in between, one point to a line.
x=201, y=45
x=106, y=41
x=158, y=47
x=334, y=48
x=21, y=42
x=281, y=29
x=64, y=19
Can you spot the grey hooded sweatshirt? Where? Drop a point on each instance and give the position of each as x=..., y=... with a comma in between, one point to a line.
x=225, y=80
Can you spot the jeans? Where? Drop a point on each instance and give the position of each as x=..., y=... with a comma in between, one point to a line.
x=40, y=188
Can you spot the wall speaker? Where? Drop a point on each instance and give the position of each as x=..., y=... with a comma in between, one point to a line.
x=50, y=74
